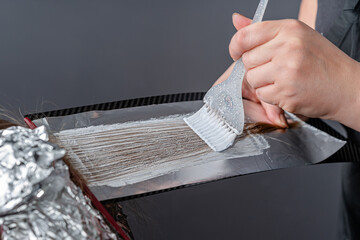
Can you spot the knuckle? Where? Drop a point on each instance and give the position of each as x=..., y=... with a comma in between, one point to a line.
x=264, y=24
x=234, y=48
x=289, y=106
x=294, y=44
x=246, y=58
x=241, y=37
x=233, y=53
x=288, y=98
x=294, y=25
x=250, y=78
x=290, y=92
x=294, y=66
x=259, y=94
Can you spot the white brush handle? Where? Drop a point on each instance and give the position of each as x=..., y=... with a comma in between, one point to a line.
x=222, y=117
x=226, y=97
x=259, y=14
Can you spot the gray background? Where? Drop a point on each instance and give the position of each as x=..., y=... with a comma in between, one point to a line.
x=59, y=54
x=288, y=204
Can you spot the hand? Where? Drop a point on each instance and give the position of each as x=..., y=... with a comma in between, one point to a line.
x=252, y=106
x=292, y=66
x=255, y=112
x=273, y=114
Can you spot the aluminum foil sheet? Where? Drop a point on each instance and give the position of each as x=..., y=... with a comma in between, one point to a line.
x=37, y=198
x=294, y=147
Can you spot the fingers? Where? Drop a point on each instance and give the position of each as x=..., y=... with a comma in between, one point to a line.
x=255, y=112
x=260, y=55
x=252, y=36
x=247, y=91
x=275, y=114
x=268, y=94
x=261, y=76
x=240, y=21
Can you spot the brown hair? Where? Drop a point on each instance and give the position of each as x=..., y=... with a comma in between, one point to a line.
x=79, y=180
x=5, y=124
x=115, y=209
x=261, y=128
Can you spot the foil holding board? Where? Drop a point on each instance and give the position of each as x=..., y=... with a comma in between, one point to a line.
x=298, y=146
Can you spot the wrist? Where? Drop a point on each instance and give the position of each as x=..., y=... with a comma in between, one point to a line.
x=356, y=108
x=349, y=109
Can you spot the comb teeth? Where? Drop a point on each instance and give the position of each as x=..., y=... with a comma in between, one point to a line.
x=211, y=128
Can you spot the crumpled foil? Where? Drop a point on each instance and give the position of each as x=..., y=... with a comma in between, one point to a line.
x=37, y=198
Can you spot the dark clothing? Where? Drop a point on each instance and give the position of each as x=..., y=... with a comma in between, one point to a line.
x=328, y=12
x=338, y=21
x=345, y=32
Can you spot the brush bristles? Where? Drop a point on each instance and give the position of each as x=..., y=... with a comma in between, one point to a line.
x=212, y=129
x=127, y=153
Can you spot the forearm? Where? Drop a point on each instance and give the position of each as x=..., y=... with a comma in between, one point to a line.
x=307, y=12
x=349, y=114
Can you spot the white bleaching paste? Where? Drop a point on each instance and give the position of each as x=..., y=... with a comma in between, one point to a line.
x=132, y=152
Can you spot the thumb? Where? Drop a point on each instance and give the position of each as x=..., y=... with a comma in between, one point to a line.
x=275, y=114
x=240, y=21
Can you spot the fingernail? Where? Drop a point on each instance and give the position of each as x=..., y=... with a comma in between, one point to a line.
x=282, y=121
x=234, y=15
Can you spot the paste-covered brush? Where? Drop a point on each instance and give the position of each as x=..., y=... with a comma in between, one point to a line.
x=221, y=119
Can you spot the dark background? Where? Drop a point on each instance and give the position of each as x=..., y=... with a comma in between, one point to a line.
x=301, y=203
x=59, y=54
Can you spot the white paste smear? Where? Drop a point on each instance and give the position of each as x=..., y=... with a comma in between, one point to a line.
x=127, y=153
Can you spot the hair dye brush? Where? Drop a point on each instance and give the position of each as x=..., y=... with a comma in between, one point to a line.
x=221, y=119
